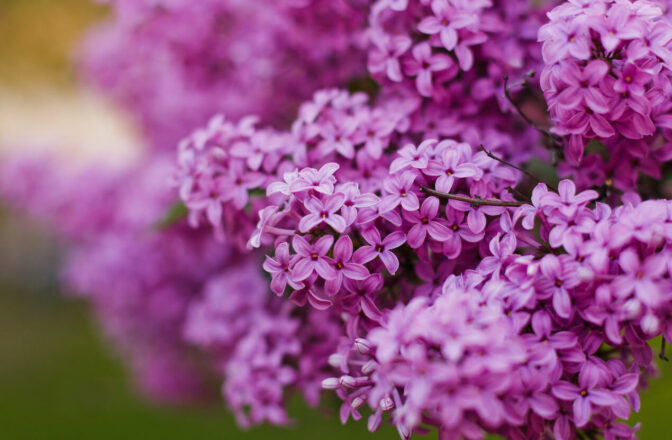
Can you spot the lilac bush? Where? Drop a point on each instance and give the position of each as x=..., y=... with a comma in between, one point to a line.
x=386, y=240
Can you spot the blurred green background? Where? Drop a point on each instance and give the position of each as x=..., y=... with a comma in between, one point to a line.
x=58, y=378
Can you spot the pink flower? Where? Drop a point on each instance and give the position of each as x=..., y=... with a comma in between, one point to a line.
x=640, y=277
x=361, y=295
x=414, y=157
x=399, y=191
x=324, y=212
x=423, y=64
x=385, y=56
x=280, y=268
x=452, y=165
x=586, y=398
x=445, y=22
x=321, y=181
x=584, y=86
x=344, y=267
x=425, y=222
x=312, y=258
x=380, y=248
x=238, y=181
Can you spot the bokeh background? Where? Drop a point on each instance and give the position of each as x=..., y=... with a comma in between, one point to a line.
x=59, y=379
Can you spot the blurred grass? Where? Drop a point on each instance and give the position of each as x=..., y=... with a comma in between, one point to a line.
x=38, y=37
x=60, y=380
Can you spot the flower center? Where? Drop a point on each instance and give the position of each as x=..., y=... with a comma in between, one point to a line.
x=425, y=220
x=314, y=256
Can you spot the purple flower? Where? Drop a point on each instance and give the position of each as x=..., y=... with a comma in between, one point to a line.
x=587, y=397
x=375, y=134
x=338, y=137
x=458, y=230
x=559, y=277
x=321, y=181
x=423, y=64
x=385, y=57
x=280, y=268
x=425, y=222
x=399, y=191
x=361, y=295
x=640, y=277
x=324, y=212
x=344, y=267
x=445, y=22
x=632, y=80
x=380, y=248
x=564, y=39
x=312, y=258
x=355, y=200
x=453, y=164
x=413, y=157
x=583, y=86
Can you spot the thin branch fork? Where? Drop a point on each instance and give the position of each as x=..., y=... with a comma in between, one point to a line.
x=515, y=167
x=470, y=200
x=540, y=129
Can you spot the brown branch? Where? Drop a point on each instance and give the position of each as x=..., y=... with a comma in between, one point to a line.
x=540, y=129
x=470, y=200
x=507, y=163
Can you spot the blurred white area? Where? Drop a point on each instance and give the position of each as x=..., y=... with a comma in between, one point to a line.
x=76, y=123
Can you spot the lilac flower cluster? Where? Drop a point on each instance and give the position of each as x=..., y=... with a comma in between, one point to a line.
x=391, y=244
x=174, y=63
x=607, y=77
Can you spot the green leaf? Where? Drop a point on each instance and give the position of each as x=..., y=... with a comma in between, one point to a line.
x=178, y=211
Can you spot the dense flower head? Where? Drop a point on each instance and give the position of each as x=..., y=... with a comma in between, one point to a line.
x=607, y=78
x=174, y=63
x=392, y=238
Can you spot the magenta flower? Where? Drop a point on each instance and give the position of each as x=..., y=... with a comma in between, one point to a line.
x=355, y=200
x=344, y=267
x=632, y=81
x=410, y=156
x=321, y=181
x=458, y=230
x=361, y=294
x=566, y=200
x=324, y=212
x=445, y=23
x=399, y=191
x=238, y=181
x=211, y=194
x=654, y=42
x=452, y=165
x=376, y=135
x=423, y=64
x=617, y=27
x=583, y=86
x=640, y=277
x=563, y=39
x=280, y=268
x=380, y=248
x=587, y=397
x=338, y=137
x=312, y=258
x=425, y=222
x=385, y=57
x=557, y=283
